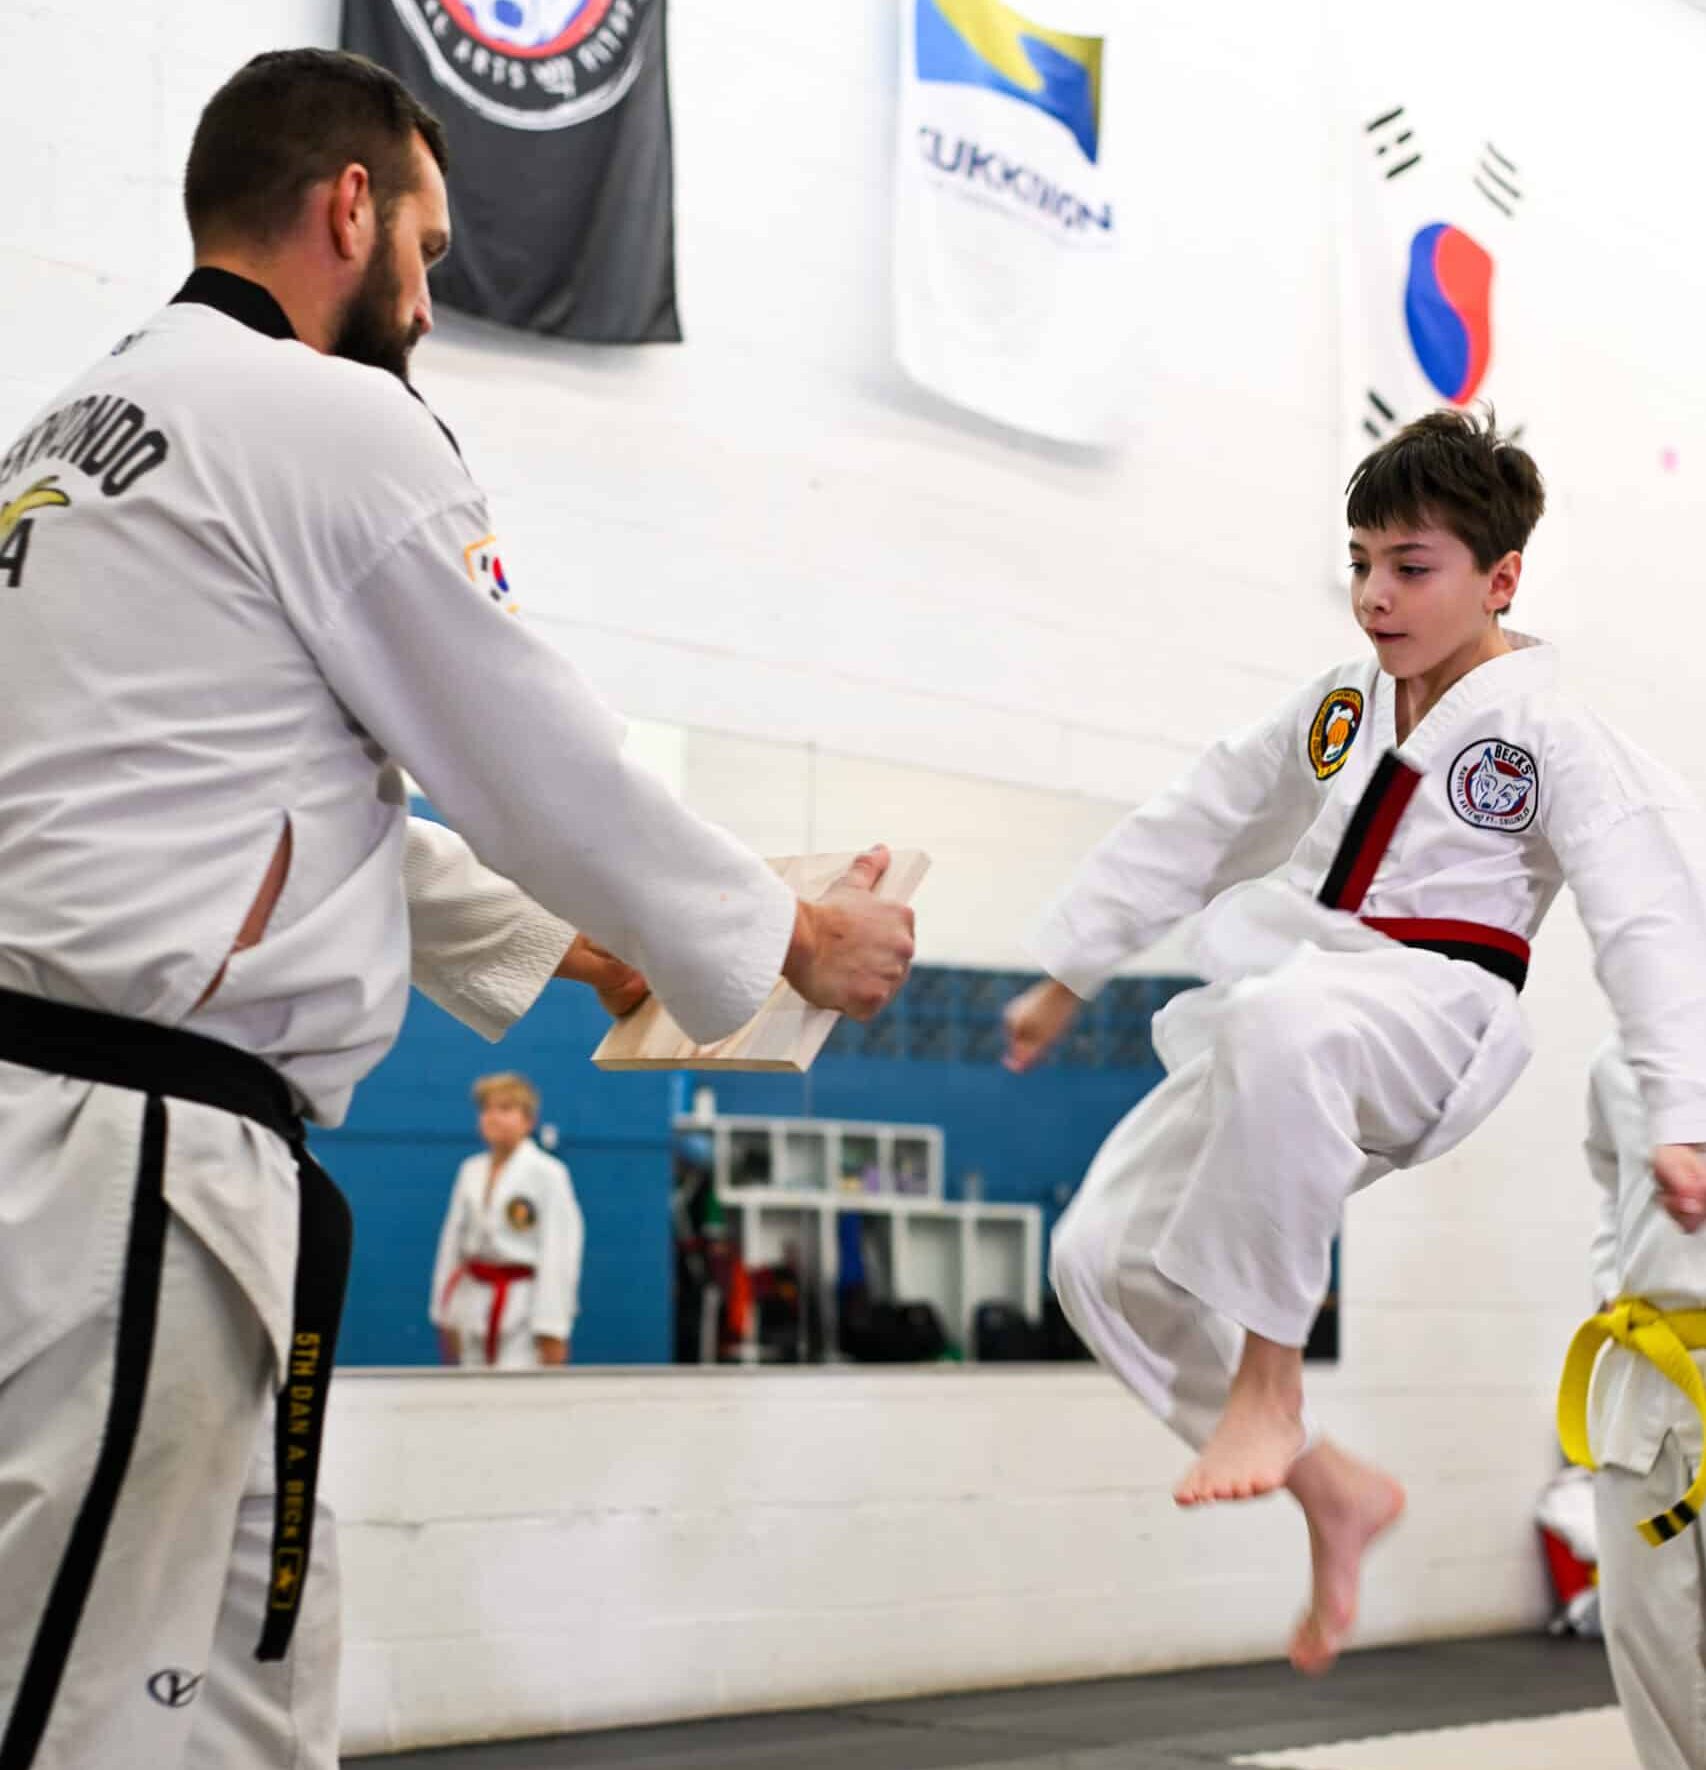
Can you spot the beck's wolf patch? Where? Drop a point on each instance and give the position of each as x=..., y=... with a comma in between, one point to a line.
x=1495, y=786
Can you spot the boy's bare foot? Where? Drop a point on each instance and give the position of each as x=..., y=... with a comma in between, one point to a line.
x=1251, y=1453
x=1261, y=1433
x=1348, y=1504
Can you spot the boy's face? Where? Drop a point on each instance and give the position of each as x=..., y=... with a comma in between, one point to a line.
x=1422, y=600
x=504, y=1123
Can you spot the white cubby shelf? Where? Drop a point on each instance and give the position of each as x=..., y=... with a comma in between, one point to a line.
x=787, y=1184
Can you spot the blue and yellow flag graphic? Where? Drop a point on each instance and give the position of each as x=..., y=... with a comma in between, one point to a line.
x=984, y=43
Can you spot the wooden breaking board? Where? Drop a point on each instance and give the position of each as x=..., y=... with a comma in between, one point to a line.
x=787, y=1033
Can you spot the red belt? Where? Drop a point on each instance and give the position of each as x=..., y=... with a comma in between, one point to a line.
x=1367, y=837
x=500, y=1278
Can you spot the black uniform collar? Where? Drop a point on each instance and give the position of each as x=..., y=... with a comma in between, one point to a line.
x=238, y=299
x=252, y=306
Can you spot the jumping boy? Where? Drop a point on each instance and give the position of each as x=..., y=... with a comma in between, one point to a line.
x=1415, y=814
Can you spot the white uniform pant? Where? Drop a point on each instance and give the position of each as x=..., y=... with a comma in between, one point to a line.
x=158, y=1666
x=281, y=1712
x=1212, y=1207
x=471, y=1311
x=1653, y=1605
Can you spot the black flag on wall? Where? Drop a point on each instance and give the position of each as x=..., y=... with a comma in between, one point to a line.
x=561, y=190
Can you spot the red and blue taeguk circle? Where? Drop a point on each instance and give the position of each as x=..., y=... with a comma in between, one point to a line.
x=1448, y=306
x=529, y=28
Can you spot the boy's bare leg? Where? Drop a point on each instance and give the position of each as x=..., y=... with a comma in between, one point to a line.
x=1261, y=1433
x=1348, y=1504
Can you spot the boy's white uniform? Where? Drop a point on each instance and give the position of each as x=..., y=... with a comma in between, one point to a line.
x=238, y=577
x=509, y=1264
x=1646, y=1437
x=1330, y=1047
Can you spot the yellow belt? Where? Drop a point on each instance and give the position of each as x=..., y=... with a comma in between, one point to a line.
x=1665, y=1341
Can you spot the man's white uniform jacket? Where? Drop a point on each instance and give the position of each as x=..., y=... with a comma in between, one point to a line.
x=532, y=1221
x=239, y=583
x=1521, y=792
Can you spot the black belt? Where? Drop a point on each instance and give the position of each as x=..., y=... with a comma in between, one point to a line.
x=164, y=1064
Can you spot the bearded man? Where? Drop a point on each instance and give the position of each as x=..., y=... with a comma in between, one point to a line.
x=245, y=580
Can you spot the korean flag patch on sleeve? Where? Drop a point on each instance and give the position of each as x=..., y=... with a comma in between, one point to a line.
x=486, y=572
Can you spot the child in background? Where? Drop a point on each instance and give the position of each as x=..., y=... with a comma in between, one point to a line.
x=1649, y=1269
x=506, y=1286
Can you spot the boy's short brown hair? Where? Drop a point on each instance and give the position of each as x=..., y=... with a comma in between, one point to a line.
x=505, y=1087
x=1451, y=471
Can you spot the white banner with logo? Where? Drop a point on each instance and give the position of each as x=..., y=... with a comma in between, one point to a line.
x=1011, y=292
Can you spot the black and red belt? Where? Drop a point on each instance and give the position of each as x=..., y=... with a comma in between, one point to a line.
x=1367, y=837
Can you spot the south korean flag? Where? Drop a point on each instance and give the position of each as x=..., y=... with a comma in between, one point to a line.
x=1447, y=249
x=1430, y=268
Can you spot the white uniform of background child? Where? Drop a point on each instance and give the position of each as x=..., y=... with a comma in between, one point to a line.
x=1645, y=1433
x=506, y=1284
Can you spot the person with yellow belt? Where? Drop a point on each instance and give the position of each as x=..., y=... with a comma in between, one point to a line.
x=1634, y=1412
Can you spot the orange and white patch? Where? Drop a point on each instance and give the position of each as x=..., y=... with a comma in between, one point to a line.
x=1337, y=721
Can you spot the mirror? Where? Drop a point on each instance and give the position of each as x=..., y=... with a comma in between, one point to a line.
x=894, y=1203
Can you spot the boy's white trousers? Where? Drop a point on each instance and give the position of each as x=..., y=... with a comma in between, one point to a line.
x=1325, y=1056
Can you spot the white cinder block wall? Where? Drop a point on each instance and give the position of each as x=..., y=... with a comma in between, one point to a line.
x=767, y=537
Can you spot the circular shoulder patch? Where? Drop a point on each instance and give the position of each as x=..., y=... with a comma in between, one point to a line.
x=1337, y=721
x=1495, y=786
x=521, y=1213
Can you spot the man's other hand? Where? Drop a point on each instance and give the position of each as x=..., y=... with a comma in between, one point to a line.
x=619, y=987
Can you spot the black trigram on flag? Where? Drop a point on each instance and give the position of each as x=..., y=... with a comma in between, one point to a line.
x=1429, y=232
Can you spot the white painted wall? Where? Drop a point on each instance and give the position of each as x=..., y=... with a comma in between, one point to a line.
x=769, y=532
x=542, y=1553
x=767, y=536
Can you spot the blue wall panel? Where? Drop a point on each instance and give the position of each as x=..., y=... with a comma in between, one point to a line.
x=413, y=1123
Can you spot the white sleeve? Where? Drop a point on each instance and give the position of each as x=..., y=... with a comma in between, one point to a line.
x=1635, y=860
x=526, y=762
x=1608, y=1078
x=480, y=947
x=449, y=1255
x=557, y=1280
x=1235, y=814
